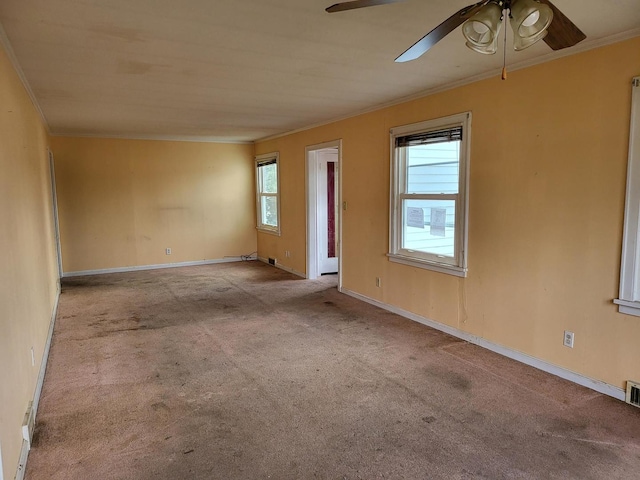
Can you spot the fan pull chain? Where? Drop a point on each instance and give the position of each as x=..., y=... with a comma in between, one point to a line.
x=504, y=54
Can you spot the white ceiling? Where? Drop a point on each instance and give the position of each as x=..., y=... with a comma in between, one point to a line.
x=240, y=70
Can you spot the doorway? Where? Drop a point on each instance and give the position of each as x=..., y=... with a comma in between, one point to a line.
x=323, y=210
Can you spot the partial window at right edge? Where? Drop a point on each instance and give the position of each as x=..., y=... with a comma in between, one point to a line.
x=629, y=301
x=429, y=182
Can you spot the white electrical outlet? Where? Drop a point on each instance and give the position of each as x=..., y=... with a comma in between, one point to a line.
x=378, y=282
x=33, y=358
x=168, y=251
x=287, y=253
x=568, y=339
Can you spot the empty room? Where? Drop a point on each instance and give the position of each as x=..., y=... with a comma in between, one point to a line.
x=302, y=240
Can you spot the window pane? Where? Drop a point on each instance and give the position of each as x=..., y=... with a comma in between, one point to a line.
x=269, y=178
x=429, y=226
x=269, y=214
x=433, y=168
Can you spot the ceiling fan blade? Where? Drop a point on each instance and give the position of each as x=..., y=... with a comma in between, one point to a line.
x=340, y=7
x=445, y=28
x=562, y=33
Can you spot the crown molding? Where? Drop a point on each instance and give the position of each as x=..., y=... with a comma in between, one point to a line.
x=157, y=138
x=582, y=47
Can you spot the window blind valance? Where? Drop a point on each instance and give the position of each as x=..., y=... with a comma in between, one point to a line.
x=264, y=163
x=426, y=138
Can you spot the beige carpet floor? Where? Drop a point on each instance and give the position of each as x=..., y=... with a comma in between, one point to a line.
x=243, y=371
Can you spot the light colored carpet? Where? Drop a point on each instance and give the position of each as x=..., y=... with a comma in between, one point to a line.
x=242, y=371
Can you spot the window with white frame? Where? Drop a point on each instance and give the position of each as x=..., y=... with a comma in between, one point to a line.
x=267, y=193
x=429, y=180
x=629, y=301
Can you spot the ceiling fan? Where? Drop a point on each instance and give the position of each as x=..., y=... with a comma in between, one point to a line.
x=531, y=21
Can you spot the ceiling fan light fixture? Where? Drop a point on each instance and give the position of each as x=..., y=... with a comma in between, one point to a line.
x=530, y=20
x=488, y=50
x=520, y=43
x=481, y=22
x=483, y=28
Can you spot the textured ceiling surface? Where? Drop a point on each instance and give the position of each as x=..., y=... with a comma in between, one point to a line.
x=240, y=70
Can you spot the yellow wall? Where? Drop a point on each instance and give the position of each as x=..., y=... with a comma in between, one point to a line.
x=28, y=276
x=547, y=187
x=123, y=202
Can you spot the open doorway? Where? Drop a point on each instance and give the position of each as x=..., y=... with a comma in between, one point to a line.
x=323, y=210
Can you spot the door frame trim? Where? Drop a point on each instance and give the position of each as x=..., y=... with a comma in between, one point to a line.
x=56, y=221
x=311, y=176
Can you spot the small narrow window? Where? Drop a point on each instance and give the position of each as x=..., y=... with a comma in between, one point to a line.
x=267, y=193
x=428, y=225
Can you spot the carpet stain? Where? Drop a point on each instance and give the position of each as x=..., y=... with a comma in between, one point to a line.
x=450, y=378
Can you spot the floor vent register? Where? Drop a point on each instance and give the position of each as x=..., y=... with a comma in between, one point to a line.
x=633, y=393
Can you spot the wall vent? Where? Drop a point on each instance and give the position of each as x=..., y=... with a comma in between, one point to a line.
x=272, y=261
x=28, y=424
x=633, y=393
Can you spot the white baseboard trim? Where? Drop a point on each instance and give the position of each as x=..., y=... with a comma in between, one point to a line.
x=561, y=372
x=282, y=267
x=154, y=267
x=22, y=465
x=45, y=355
x=26, y=446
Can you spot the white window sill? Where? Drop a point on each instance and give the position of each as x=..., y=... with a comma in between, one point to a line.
x=269, y=231
x=436, y=267
x=627, y=307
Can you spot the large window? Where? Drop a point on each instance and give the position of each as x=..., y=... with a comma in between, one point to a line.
x=428, y=225
x=268, y=198
x=629, y=301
